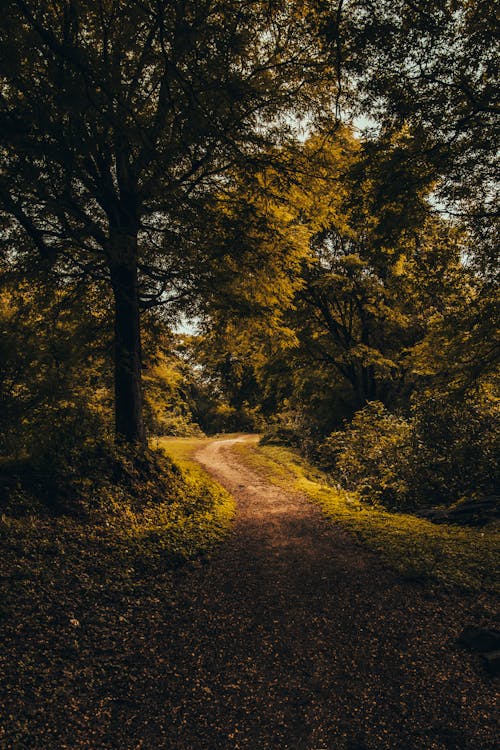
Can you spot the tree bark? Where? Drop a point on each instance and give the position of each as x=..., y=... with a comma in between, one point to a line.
x=129, y=423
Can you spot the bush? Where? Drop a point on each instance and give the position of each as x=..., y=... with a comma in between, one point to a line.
x=446, y=451
x=219, y=416
x=295, y=429
x=456, y=446
x=370, y=455
x=172, y=423
x=75, y=480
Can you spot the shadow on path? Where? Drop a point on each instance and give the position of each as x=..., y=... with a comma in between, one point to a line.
x=294, y=636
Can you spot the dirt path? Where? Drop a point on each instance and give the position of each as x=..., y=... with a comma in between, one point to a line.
x=295, y=637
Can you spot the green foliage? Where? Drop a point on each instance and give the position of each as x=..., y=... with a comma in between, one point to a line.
x=56, y=371
x=456, y=445
x=120, y=126
x=433, y=66
x=386, y=312
x=329, y=287
x=286, y=431
x=229, y=394
x=445, y=451
x=375, y=270
x=171, y=393
x=461, y=348
x=369, y=296
x=55, y=366
x=222, y=417
x=370, y=455
x=296, y=427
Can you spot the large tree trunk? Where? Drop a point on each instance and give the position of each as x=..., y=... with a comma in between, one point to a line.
x=129, y=423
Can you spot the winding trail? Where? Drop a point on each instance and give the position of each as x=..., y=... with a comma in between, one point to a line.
x=296, y=637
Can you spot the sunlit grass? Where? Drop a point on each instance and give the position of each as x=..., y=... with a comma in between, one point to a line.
x=182, y=449
x=122, y=533
x=450, y=556
x=200, y=531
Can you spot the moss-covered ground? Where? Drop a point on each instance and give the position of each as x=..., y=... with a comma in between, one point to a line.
x=141, y=509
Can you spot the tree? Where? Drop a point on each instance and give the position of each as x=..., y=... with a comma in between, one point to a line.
x=432, y=66
x=372, y=268
x=118, y=119
x=363, y=208
x=56, y=369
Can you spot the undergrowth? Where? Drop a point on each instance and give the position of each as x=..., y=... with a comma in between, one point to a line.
x=446, y=555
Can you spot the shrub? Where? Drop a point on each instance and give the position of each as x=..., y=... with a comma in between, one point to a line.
x=172, y=423
x=446, y=451
x=75, y=480
x=219, y=416
x=456, y=446
x=293, y=428
x=370, y=455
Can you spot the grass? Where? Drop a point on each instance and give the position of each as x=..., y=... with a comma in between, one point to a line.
x=139, y=526
x=446, y=555
x=85, y=582
x=182, y=449
x=201, y=531
x=139, y=507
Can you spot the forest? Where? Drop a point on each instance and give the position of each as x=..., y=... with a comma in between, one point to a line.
x=254, y=234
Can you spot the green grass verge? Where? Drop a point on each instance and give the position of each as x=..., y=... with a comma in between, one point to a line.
x=201, y=531
x=87, y=584
x=449, y=556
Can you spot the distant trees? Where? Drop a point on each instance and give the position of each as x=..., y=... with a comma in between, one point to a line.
x=433, y=67
x=374, y=327
x=367, y=251
x=354, y=312
x=400, y=291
